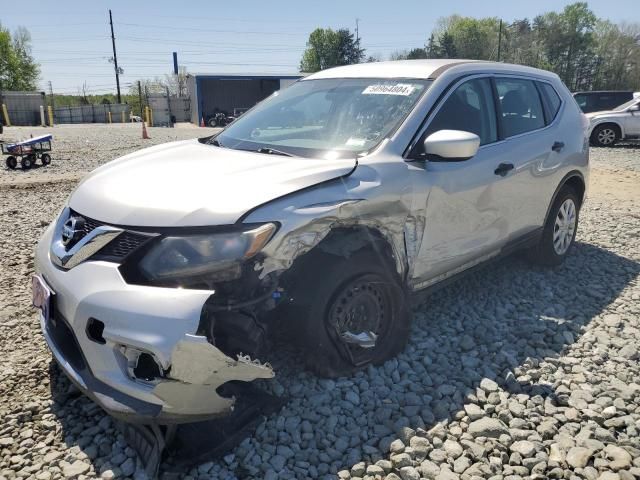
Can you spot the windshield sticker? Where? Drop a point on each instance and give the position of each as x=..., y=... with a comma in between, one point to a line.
x=355, y=142
x=397, y=89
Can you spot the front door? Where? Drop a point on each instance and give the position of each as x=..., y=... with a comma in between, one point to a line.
x=465, y=220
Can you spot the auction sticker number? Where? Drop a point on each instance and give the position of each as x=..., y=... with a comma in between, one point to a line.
x=397, y=89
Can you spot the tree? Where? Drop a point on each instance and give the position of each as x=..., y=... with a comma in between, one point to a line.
x=329, y=48
x=18, y=70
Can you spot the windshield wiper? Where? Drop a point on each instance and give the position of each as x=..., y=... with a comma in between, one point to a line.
x=273, y=151
x=216, y=143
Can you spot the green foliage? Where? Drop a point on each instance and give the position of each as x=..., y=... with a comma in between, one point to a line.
x=330, y=48
x=587, y=53
x=18, y=70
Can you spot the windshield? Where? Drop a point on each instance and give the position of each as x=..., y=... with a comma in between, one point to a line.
x=327, y=118
x=626, y=105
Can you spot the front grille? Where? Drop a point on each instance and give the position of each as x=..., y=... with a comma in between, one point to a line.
x=123, y=245
x=120, y=247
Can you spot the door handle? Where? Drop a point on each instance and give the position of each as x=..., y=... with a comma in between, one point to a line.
x=503, y=169
x=557, y=146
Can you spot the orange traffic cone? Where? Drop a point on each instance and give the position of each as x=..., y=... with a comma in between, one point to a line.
x=145, y=135
x=202, y=121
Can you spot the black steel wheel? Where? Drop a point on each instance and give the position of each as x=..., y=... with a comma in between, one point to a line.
x=45, y=159
x=27, y=162
x=349, y=313
x=11, y=162
x=358, y=315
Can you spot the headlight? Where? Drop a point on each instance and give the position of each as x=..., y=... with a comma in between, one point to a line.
x=191, y=257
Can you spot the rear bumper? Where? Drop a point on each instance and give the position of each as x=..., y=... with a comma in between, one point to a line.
x=160, y=322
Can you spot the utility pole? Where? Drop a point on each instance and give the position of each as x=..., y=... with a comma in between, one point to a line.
x=115, y=57
x=499, y=39
x=357, y=31
x=140, y=99
x=51, y=94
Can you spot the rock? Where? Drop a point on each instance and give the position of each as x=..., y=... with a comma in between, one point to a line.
x=524, y=448
x=609, y=476
x=409, y=473
x=278, y=462
x=397, y=446
x=473, y=411
x=488, y=385
x=618, y=457
x=453, y=449
x=629, y=352
x=128, y=467
x=72, y=470
x=578, y=457
x=488, y=427
x=401, y=460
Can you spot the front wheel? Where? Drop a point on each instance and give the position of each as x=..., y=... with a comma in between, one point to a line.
x=604, y=136
x=355, y=314
x=27, y=162
x=560, y=229
x=45, y=159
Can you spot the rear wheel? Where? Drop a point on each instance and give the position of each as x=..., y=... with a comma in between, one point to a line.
x=605, y=136
x=560, y=229
x=353, y=315
x=11, y=162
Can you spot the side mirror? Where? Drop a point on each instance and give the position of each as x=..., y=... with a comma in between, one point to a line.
x=634, y=108
x=452, y=144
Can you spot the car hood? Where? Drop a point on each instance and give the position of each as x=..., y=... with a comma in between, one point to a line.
x=188, y=183
x=591, y=115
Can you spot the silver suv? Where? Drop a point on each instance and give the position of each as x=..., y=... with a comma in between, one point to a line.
x=315, y=215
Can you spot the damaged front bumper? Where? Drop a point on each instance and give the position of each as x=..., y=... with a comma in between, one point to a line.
x=134, y=349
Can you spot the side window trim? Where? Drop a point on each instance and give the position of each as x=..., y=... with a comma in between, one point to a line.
x=444, y=96
x=497, y=108
x=544, y=101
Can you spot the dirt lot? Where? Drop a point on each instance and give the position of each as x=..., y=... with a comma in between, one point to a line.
x=515, y=372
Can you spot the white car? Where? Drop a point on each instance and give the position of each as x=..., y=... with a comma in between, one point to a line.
x=622, y=123
x=324, y=207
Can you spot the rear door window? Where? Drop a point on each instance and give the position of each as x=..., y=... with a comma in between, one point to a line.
x=551, y=100
x=520, y=106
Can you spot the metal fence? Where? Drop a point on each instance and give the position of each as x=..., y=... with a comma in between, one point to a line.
x=101, y=113
x=165, y=113
x=22, y=108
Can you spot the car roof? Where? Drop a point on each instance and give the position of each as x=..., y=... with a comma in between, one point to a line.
x=582, y=92
x=424, y=69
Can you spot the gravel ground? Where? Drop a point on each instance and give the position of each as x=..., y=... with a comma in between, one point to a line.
x=514, y=372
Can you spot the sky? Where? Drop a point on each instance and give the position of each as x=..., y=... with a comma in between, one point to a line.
x=71, y=39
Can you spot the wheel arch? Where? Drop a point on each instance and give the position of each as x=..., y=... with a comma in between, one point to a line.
x=342, y=242
x=574, y=179
x=613, y=123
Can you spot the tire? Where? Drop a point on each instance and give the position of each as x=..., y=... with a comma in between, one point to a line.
x=558, y=234
x=212, y=122
x=45, y=159
x=27, y=162
x=362, y=284
x=605, y=135
x=11, y=162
